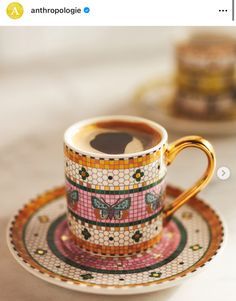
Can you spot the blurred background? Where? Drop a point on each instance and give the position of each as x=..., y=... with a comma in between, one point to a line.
x=53, y=77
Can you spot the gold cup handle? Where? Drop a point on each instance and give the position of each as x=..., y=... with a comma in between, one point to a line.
x=172, y=151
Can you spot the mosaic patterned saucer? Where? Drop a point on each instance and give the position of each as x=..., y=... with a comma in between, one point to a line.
x=38, y=238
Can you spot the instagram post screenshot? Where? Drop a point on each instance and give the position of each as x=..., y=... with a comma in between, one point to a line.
x=117, y=150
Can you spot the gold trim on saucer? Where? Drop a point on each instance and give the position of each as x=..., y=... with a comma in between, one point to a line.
x=23, y=216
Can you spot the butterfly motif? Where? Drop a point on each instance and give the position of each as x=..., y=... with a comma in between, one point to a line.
x=115, y=211
x=154, y=200
x=72, y=197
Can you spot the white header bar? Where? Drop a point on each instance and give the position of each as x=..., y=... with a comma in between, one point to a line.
x=118, y=12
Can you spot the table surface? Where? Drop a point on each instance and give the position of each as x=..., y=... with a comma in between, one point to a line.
x=33, y=120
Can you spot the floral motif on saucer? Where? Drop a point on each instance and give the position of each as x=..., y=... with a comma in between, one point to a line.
x=39, y=239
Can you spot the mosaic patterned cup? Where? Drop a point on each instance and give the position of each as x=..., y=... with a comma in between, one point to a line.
x=116, y=203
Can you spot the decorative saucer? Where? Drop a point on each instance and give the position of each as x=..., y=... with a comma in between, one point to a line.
x=38, y=238
x=155, y=100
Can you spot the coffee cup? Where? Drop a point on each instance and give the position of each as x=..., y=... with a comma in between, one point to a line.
x=115, y=171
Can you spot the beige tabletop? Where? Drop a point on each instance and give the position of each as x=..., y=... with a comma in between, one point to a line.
x=37, y=105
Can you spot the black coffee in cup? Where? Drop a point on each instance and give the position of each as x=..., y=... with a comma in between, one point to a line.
x=116, y=137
